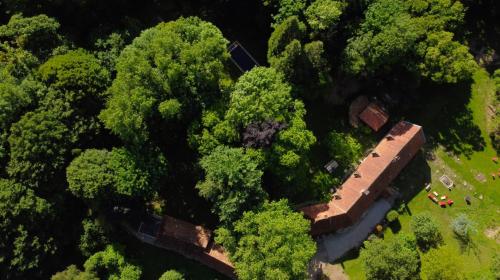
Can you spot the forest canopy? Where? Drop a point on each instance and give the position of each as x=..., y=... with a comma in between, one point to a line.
x=116, y=113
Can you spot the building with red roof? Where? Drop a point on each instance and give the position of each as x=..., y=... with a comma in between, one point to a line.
x=368, y=181
x=374, y=116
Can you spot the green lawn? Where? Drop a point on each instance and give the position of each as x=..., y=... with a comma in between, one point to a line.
x=462, y=151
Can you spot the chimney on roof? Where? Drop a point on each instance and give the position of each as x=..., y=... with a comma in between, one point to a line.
x=357, y=174
x=396, y=158
x=389, y=137
x=366, y=192
x=375, y=154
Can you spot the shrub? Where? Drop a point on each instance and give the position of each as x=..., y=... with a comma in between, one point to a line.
x=392, y=216
x=463, y=227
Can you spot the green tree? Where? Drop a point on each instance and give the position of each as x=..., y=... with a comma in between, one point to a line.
x=273, y=243
x=108, y=49
x=171, y=275
x=451, y=266
x=77, y=74
x=323, y=15
x=232, y=182
x=111, y=264
x=16, y=62
x=180, y=60
x=384, y=39
x=438, y=14
x=284, y=33
x=262, y=95
x=37, y=34
x=426, y=230
x=285, y=8
x=93, y=237
x=304, y=66
x=13, y=101
x=396, y=258
x=344, y=148
x=445, y=60
x=25, y=227
x=38, y=147
x=73, y=273
x=99, y=175
x=77, y=85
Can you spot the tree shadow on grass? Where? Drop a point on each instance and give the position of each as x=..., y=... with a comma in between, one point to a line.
x=447, y=120
x=467, y=245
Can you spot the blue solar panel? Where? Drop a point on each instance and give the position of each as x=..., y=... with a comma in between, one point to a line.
x=241, y=57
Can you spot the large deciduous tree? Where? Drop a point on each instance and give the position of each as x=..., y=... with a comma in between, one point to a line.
x=445, y=60
x=179, y=62
x=272, y=243
x=323, y=15
x=77, y=84
x=25, y=226
x=412, y=35
x=37, y=34
x=391, y=259
x=38, y=148
x=13, y=101
x=77, y=74
x=303, y=65
x=99, y=175
x=232, y=182
x=261, y=95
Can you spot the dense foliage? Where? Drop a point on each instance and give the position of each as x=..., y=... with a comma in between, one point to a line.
x=26, y=227
x=109, y=115
x=171, y=69
x=393, y=259
x=171, y=275
x=232, y=182
x=426, y=230
x=272, y=243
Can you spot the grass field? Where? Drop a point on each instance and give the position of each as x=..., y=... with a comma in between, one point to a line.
x=459, y=141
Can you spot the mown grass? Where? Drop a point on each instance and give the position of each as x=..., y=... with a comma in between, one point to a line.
x=468, y=164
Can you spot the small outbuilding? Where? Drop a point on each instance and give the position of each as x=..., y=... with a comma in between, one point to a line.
x=374, y=116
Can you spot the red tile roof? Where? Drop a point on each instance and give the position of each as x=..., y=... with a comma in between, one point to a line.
x=369, y=180
x=172, y=228
x=374, y=116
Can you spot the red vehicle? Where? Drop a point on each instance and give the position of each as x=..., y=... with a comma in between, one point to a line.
x=433, y=198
